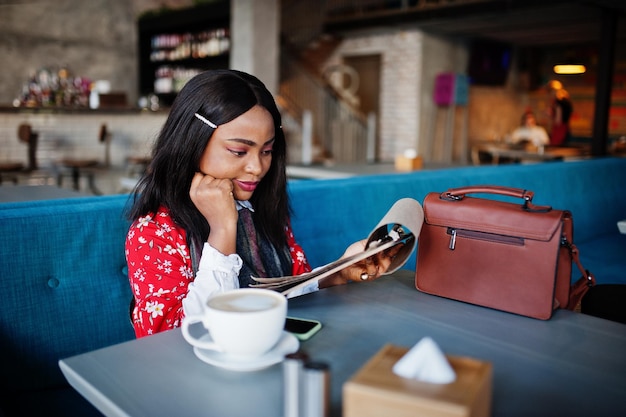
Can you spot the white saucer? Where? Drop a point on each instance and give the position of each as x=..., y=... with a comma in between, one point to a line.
x=287, y=344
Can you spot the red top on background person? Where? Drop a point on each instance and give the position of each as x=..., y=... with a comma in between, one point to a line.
x=560, y=113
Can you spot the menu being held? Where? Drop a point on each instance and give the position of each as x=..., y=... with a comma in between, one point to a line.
x=400, y=226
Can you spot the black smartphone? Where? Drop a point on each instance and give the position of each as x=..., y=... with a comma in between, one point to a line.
x=303, y=329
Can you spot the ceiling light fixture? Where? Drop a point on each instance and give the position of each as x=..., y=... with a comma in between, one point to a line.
x=570, y=69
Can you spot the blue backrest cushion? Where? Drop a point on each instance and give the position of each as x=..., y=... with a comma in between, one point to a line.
x=64, y=282
x=330, y=214
x=64, y=285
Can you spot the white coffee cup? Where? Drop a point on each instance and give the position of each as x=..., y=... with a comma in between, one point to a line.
x=244, y=323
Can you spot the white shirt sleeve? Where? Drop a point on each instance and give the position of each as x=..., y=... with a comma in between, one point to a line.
x=219, y=273
x=314, y=286
x=216, y=273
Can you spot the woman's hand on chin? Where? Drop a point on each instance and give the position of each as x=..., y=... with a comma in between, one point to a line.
x=214, y=199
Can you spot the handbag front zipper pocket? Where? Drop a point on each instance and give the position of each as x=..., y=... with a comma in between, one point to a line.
x=489, y=237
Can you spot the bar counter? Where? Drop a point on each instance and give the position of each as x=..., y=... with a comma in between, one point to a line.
x=74, y=133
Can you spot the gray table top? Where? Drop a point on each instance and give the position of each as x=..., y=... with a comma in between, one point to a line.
x=570, y=365
x=12, y=193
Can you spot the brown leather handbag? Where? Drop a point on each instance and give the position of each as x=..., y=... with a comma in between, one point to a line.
x=515, y=257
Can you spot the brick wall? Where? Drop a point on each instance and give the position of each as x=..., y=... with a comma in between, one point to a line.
x=400, y=61
x=409, y=118
x=410, y=60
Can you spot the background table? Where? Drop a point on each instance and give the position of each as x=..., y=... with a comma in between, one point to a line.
x=498, y=150
x=12, y=193
x=571, y=365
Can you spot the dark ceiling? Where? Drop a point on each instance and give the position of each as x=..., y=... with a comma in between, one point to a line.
x=521, y=23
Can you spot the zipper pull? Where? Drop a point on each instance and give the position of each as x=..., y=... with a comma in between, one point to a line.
x=452, y=239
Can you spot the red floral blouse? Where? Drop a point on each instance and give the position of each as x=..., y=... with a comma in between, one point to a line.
x=160, y=270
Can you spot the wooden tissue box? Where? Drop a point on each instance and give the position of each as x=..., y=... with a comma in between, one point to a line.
x=403, y=163
x=376, y=391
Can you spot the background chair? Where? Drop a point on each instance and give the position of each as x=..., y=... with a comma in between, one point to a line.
x=26, y=135
x=86, y=167
x=136, y=166
x=10, y=170
x=15, y=169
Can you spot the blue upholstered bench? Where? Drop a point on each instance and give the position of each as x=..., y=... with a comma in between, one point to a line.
x=64, y=283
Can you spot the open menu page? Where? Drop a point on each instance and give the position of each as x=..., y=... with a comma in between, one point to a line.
x=290, y=283
x=400, y=226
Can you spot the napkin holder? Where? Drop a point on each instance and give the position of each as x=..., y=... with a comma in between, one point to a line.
x=405, y=164
x=376, y=391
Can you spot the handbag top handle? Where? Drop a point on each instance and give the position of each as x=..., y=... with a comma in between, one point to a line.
x=455, y=194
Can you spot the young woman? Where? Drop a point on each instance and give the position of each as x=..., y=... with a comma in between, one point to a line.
x=212, y=209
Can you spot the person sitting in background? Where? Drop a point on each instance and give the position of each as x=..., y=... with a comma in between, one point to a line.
x=530, y=132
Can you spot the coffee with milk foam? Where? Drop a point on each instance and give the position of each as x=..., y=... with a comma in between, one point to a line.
x=243, y=303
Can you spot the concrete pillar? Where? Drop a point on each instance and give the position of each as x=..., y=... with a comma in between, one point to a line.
x=255, y=29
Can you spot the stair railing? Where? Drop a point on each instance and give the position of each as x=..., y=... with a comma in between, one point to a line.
x=341, y=131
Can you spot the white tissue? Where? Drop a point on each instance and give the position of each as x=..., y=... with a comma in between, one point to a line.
x=425, y=362
x=410, y=154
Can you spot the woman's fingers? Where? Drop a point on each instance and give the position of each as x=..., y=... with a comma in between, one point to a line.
x=378, y=264
x=205, y=185
x=214, y=198
x=373, y=267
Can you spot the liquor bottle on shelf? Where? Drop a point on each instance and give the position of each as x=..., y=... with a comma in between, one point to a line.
x=174, y=45
x=177, y=47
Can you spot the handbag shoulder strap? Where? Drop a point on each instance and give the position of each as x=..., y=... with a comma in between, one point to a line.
x=582, y=285
x=587, y=279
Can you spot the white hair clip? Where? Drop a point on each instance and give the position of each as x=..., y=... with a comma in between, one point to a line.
x=205, y=120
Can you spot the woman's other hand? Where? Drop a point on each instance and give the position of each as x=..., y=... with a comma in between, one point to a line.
x=368, y=269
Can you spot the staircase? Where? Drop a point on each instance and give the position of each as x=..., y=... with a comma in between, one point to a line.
x=320, y=124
